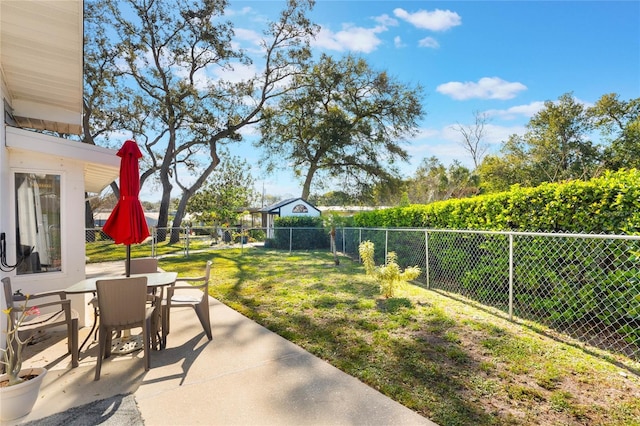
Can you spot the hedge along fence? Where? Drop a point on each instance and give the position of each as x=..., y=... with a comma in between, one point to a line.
x=594, y=282
x=609, y=204
x=586, y=286
x=299, y=233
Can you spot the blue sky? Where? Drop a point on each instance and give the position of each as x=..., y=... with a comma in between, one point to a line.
x=502, y=58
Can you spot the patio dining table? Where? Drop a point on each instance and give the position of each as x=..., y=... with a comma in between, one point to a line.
x=155, y=280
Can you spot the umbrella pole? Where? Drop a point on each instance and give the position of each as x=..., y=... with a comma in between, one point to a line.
x=122, y=345
x=128, y=261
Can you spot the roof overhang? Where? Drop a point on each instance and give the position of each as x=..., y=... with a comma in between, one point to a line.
x=41, y=60
x=101, y=165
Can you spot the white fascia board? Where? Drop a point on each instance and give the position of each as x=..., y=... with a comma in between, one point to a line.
x=101, y=165
x=24, y=108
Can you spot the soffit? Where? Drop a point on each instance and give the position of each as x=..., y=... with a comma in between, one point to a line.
x=41, y=54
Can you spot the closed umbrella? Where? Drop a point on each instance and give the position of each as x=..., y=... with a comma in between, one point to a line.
x=127, y=224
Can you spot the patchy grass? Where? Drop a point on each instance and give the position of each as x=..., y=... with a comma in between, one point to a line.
x=449, y=361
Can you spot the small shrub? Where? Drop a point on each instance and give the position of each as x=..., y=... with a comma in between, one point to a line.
x=366, y=250
x=390, y=277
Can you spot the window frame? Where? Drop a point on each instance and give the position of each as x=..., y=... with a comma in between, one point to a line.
x=12, y=248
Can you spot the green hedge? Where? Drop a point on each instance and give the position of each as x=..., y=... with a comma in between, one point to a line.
x=580, y=284
x=311, y=235
x=609, y=204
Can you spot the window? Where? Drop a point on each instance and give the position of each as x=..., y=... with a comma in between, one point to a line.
x=300, y=208
x=38, y=245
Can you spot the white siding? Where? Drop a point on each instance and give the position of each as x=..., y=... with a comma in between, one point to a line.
x=72, y=224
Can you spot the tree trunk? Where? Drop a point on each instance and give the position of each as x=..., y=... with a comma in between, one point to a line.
x=165, y=203
x=306, y=188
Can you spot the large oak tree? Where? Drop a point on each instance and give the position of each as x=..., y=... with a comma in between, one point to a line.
x=341, y=120
x=163, y=56
x=557, y=146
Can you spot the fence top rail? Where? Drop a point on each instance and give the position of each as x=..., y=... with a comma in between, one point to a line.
x=507, y=233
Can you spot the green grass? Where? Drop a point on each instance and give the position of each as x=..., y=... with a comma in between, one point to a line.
x=107, y=251
x=449, y=361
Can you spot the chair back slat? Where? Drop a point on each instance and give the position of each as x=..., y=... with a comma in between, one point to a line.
x=122, y=301
x=145, y=265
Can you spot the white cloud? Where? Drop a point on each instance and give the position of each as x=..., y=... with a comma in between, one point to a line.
x=239, y=72
x=386, y=20
x=397, y=41
x=357, y=39
x=429, y=42
x=485, y=88
x=249, y=40
x=250, y=36
x=528, y=110
x=434, y=142
x=444, y=151
x=445, y=144
x=438, y=20
x=495, y=135
x=238, y=12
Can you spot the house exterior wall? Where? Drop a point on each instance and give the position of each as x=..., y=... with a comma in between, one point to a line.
x=4, y=176
x=33, y=67
x=72, y=217
x=71, y=227
x=4, y=194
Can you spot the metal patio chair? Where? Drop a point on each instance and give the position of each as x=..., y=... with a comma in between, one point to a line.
x=55, y=313
x=123, y=305
x=193, y=296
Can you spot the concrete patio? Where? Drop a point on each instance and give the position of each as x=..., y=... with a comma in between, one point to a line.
x=246, y=375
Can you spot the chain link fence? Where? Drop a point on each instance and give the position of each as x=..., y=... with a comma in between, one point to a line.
x=183, y=240
x=583, y=286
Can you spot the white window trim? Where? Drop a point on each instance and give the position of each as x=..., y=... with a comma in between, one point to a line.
x=11, y=243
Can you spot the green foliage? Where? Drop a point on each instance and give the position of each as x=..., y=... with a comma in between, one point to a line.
x=619, y=124
x=561, y=282
x=180, y=121
x=331, y=127
x=366, y=250
x=555, y=147
x=389, y=276
x=285, y=233
x=433, y=182
x=608, y=204
x=228, y=190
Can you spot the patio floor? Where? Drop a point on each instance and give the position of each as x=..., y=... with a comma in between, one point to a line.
x=246, y=375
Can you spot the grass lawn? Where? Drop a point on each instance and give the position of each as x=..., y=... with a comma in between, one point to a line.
x=449, y=361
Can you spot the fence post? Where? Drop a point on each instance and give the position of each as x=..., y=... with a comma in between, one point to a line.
x=344, y=245
x=426, y=257
x=186, y=241
x=290, y=240
x=510, y=277
x=359, y=242
x=386, y=245
x=154, y=241
x=242, y=239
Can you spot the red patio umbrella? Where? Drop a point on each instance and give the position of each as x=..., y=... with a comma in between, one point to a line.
x=127, y=224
